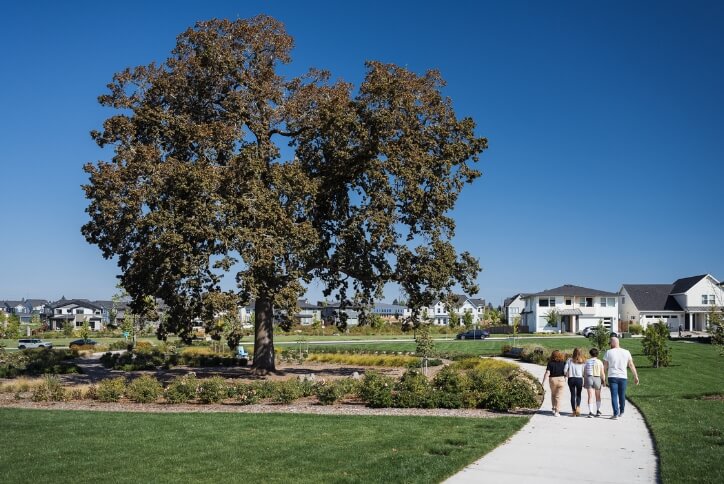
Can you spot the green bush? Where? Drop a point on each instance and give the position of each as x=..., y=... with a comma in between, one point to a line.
x=413, y=391
x=450, y=386
x=37, y=362
x=328, y=392
x=49, y=391
x=501, y=390
x=635, y=328
x=111, y=390
x=246, y=394
x=212, y=390
x=287, y=391
x=144, y=389
x=538, y=355
x=376, y=390
x=264, y=389
x=181, y=389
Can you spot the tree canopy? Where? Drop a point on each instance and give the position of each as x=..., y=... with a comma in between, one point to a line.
x=222, y=165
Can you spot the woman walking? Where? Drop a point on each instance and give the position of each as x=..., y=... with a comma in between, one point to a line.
x=555, y=372
x=574, y=373
x=593, y=378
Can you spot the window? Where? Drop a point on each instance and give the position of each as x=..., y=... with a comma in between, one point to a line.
x=609, y=302
x=545, y=302
x=623, y=299
x=585, y=302
x=674, y=316
x=78, y=311
x=707, y=299
x=569, y=302
x=439, y=311
x=648, y=316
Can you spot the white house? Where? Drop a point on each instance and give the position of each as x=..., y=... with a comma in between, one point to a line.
x=76, y=312
x=687, y=302
x=578, y=307
x=438, y=312
x=513, y=307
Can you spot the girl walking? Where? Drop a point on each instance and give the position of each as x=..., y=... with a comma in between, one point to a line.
x=555, y=372
x=574, y=371
x=593, y=378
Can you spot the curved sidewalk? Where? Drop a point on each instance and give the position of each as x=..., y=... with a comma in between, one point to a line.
x=566, y=449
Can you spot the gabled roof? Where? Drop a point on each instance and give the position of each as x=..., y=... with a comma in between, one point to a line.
x=37, y=302
x=508, y=301
x=571, y=290
x=12, y=304
x=652, y=297
x=684, y=284
x=460, y=299
x=77, y=302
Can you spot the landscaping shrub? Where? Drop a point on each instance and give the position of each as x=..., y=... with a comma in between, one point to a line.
x=538, y=355
x=120, y=345
x=49, y=391
x=246, y=394
x=450, y=385
x=212, y=390
x=413, y=391
x=182, y=389
x=430, y=362
x=393, y=361
x=376, y=390
x=36, y=362
x=264, y=389
x=91, y=393
x=287, y=391
x=635, y=328
x=144, y=389
x=500, y=389
x=111, y=390
x=328, y=392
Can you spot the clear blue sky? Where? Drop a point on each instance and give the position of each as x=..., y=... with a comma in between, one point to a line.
x=605, y=122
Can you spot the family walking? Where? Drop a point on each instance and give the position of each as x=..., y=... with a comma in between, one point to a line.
x=590, y=373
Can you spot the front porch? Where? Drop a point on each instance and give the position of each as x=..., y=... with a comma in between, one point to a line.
x=696, y=321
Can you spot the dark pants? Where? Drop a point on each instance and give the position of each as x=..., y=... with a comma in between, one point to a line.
x=575, y=384
x=618, y=394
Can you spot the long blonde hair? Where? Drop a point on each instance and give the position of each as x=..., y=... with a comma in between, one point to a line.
x=578, y=356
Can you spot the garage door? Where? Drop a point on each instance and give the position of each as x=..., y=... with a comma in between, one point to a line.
x=671, y=320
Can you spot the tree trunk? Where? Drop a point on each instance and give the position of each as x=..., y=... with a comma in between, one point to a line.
x=263, y=336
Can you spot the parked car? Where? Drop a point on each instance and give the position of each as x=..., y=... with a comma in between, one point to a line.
x=33, y=343
x=588, y=332
x=82, y=342
x=473, y=334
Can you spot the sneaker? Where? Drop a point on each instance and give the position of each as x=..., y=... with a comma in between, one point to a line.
x=598, y=413
x=590, y=415
x=614, y=417
x=620, y=414
x=556, y=414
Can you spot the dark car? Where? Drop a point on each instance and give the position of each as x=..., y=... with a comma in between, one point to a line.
x=473, y=334
x=82, y=342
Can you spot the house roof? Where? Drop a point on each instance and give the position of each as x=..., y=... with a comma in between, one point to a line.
x=508, y=301
x=571, y=290
x=460, y=300
x=36, y=302
x=684, y=284
x=652, y=297
x=77, y=302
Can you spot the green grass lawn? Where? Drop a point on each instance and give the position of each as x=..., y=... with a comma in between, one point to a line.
x=133, y=447
x=689, y=431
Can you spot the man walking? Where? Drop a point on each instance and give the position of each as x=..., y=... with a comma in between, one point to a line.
x=615, y=362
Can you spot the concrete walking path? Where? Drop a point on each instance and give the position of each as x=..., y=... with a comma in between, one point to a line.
x=570, y=449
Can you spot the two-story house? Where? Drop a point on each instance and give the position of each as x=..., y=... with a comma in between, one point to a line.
x=687, y=302
x=439, y=312
x=76, y=312
x=513, y=307
x=391, y=313
x=578, y=308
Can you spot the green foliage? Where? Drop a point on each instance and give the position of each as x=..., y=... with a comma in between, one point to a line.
x=553, y=318
x=655, y=344
x=246, y=394
x=111, y=389
x=425, y=346
x=535, y=354
x=716, y=328
x=454, y=318
x=219, y=139
x=212, y=390
x=468, y=319
x=450, y=385
x=68, y=328
x=182, y=389
x=50, y=390
x=37, y=362
x=328, y=392
x=600, y=337
x=144, y=389
x=84, y=331
x=413, y=391
x=12, y=327
x=289, y=390
x=376, y=390
x=635, y=328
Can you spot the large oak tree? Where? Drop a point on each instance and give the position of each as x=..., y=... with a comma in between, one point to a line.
x=222, y=165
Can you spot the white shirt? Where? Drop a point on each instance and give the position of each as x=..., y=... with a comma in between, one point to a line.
x=617, y=359
x=573, y=370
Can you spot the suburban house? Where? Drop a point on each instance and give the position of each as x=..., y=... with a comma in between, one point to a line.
x=438, y=312
x=331, y=313
x=391, y=313
x=76, y=312
x=687, y=302
x=308, y=313
x=513, y=307
x=578, y=308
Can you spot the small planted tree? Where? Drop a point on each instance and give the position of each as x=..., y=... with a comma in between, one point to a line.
x=468, y=319
x=516, y=327
x=716, y=328
x=85, y=330
x=553, y=318
x=454, y=319
x=600, y=337
x=656, y=344
x=425, y=345
x=68, y=328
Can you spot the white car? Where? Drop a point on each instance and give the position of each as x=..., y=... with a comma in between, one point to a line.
x=33, y=343
x=588, y=331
